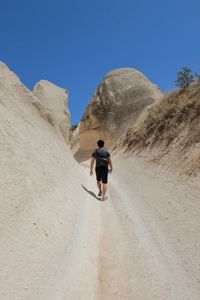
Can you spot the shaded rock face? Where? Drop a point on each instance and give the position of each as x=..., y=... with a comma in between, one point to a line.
x=55, y=99
x=74, y=137
x=116, y=104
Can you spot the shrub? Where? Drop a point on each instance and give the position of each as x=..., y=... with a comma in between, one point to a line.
x=184, y=78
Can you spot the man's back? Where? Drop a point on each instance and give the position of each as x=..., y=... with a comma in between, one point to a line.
x=100, y=153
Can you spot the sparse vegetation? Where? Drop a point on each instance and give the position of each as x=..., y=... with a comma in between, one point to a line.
x=171, y=125
x=184, y=78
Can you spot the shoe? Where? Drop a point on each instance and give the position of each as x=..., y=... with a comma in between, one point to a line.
x=100, y=193
x=104, y=198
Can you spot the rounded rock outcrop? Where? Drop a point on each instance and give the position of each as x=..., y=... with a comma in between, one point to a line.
x=117, y=103
x=55, y=99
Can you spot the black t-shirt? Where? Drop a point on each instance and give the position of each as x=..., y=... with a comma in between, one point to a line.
x=102, y=152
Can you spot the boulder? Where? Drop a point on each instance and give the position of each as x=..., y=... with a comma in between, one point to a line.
x=117, y=103
x=55, y=99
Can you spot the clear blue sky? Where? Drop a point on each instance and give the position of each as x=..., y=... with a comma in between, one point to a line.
x=73, y=43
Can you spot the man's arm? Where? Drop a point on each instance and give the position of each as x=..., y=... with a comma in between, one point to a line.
x=110, y=164
x=92, y=165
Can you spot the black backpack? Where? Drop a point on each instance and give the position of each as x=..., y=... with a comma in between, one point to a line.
x=103, y=161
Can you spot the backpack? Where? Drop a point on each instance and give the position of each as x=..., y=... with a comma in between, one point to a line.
x=103, y=161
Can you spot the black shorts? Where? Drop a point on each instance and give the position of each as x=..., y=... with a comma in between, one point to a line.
x=102, y=174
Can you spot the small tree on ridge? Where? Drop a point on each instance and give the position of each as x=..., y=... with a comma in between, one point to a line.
x=184, y=78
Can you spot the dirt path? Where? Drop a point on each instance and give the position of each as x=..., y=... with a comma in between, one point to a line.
x=141, y=244
x=148, y=238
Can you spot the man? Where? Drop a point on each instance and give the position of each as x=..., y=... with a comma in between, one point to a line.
x=103, y=160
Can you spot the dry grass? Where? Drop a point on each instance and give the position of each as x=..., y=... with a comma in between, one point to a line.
x=173, y=123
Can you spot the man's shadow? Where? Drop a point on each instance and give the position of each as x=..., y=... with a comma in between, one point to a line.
x=91, y=193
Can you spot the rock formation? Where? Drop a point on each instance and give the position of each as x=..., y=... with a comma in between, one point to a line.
x=55, y=99
x=39, y=179
x=116, y=104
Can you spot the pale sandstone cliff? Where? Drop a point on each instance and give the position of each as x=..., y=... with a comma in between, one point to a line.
x=40, y=203
x=117, y=103
x=55, y=99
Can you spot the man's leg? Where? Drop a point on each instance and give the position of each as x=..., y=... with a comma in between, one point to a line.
x=99, y=185
x=104, y=189
x=98, y=176
x=104, y=182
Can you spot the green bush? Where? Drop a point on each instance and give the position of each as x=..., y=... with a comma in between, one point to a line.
x=184, y=77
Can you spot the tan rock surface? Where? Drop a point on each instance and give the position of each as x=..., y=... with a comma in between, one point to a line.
x=55, y=99
x=116, y=104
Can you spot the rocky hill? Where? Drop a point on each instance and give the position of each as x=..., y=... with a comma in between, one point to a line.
x=117, y=103
x=170, y=132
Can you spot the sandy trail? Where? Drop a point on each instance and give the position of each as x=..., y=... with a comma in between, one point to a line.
x=148, y=236
x=140, y=244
